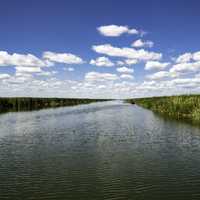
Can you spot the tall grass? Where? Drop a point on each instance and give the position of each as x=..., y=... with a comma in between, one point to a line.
x=26, y=103
x=185, y=106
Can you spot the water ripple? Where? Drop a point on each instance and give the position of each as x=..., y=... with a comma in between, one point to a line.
x=102, y=151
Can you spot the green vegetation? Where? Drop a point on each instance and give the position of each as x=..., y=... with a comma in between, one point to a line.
x=179, y=107
x=26, y=103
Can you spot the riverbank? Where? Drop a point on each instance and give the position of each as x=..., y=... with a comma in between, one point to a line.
x=179, y=107
x=26, y=103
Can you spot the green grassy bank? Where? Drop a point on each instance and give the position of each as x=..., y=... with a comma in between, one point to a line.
x=179, y=107
x=26, y=103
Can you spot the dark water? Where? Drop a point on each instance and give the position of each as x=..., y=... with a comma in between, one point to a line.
x=101, y=151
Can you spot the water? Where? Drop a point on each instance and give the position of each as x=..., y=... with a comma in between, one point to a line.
x=100, y=151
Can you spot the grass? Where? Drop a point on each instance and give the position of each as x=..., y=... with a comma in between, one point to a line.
x=179, y=107
x=26, y=103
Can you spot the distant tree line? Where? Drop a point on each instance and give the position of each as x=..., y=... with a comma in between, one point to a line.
x=26, y=103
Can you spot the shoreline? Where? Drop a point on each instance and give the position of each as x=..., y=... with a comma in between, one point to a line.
x=17, y=104
x=183, y=107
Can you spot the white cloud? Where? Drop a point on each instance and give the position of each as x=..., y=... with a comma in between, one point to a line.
x=186, y=57
x=127, y=76
x=187, y=63
x=196, y=56
x=186, y=67
x=102, y=62
x=101, y=87
x=140, y=43
x=18, y=78
x=23, y=63
x=133, y=31
x=24, y=69
x=186, y=83
x=66, y=58
x=156, y=65
x=115, y=30
x=125, y=70
x=120, y=63
x=4, y=76
x=31, y=80
x=126, y=52
x=15, y=59
x=45, y=73
x=96, y=76
x=161, y=75
x=131, y=61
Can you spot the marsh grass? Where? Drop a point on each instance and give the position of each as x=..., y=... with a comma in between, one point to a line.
x=26, y=103
x=179, y=107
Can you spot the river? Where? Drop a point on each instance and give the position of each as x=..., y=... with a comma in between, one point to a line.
x=100, y=151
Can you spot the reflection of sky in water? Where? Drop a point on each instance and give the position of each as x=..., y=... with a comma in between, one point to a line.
x=105, y=150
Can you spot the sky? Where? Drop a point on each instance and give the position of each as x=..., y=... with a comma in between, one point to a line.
x=99, y=49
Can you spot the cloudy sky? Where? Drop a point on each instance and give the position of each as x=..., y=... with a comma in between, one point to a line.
x=99, y=49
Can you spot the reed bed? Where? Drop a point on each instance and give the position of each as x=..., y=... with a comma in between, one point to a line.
x=26, y=103
x=180, y=107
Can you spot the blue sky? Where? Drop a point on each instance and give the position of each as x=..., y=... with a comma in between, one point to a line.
x=101, y=49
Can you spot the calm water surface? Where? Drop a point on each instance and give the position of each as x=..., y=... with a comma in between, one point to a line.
x=100, y=151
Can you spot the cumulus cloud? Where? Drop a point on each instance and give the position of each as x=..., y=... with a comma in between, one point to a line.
x=150, y=65
x=102, y=62
x=96, y=76
x=23, y=63
x=18, y=78
x=24, y=69
x=32, y=79
x=4, y=76
x=27, y=65
x=125, y=70
x=120, y=63
x=161, y=75
x=131, y=61
x=187, y=63
x=45, y=73
x=186, y=67
x=190, y=83
x=186, y=57
x=101, y=87
x=196, y=56
x=115, y=30
x=140, y=43
x=127, y=76
x=66, y=58
x=126, y=52
x=15, y=59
